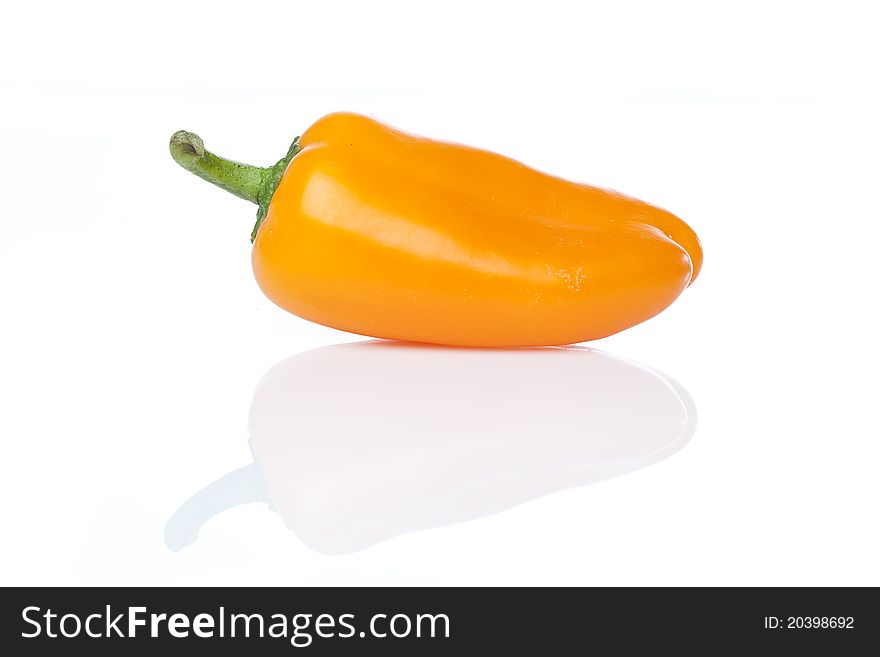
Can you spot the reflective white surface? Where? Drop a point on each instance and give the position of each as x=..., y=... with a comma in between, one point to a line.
x=357, y=443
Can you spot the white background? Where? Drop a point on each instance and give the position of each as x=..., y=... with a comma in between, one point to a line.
x=133, y=335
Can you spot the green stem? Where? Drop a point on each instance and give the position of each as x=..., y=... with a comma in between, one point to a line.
x=243, y=180
x=254, y=184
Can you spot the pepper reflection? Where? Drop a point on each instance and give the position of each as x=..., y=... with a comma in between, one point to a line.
x=356, y=443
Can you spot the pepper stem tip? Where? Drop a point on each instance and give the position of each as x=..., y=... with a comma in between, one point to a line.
x=187, y=148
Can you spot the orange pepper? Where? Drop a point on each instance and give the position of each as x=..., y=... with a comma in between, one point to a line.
x=371, y=230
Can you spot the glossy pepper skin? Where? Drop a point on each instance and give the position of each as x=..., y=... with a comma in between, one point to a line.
x=378, y=232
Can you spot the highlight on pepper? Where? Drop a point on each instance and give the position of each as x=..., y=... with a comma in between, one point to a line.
x=371, y=230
